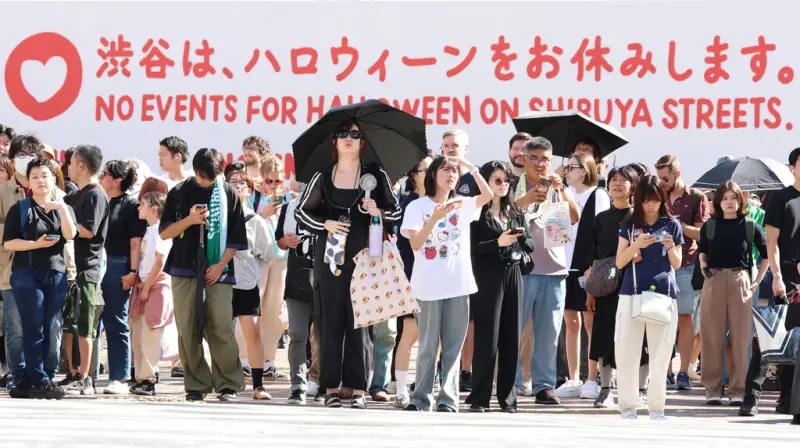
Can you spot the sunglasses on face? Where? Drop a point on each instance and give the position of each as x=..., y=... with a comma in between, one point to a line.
x=573, y=166
x=271, y=181
x=355, y=134
x=497, y=181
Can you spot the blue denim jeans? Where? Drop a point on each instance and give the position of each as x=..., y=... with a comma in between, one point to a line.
x=115, y=318
x=385, y=339
x=543, y=299
x=42, y=293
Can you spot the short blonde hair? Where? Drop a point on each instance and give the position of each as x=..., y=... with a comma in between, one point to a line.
x=270, y=163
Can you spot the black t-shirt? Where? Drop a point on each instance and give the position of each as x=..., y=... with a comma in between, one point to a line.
x=37, y=223
x=467, y=186
x=783, y=213
x=123, y=225
x=91, y=211
x=182, y=258
x=729, y=249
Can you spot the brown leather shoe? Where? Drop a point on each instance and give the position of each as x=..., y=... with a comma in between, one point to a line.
x=380, y=397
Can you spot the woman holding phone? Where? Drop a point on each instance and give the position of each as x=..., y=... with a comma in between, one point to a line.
x=438, y=227
x=650, y=244
x=36, y=229
x=499, y=243
x=334, y=207
x=267, y=200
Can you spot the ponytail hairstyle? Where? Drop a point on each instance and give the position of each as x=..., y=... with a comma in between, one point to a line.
x=124, y=171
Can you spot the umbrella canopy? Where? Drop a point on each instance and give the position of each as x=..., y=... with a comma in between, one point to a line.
x=749, y=173
x=200, y=295
x=392, y=138
x=565, y=129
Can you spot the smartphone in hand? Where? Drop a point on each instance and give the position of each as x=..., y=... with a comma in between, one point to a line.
x=517, y=231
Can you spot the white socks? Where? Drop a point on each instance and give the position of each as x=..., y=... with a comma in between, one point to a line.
x=402, y=387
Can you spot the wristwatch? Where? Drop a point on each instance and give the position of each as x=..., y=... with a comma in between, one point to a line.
x=133, y=271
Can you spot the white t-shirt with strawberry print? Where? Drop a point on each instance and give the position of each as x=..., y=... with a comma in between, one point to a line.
x=443, y=267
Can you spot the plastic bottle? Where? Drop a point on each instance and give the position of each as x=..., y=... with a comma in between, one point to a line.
x=375, y=237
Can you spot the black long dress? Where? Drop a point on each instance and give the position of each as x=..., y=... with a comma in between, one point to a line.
x=606, y=240
x=345, y=351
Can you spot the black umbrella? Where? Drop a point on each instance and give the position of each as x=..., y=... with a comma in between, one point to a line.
x=200, y=295
x=565, y=129
x=749, y=173
x=393, y=138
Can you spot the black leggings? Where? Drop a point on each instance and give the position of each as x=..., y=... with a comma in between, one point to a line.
x=497, y=330
x=345, y=352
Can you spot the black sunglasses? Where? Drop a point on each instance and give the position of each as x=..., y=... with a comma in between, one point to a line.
x=355, y=134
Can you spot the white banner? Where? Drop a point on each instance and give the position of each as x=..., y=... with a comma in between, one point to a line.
x=695, y=79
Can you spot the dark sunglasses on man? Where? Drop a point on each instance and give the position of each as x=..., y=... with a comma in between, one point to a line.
x=355, y=134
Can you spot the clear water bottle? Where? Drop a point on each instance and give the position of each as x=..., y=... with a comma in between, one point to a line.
x=375, y=237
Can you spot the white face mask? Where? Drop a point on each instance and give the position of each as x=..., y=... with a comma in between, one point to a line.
x=21, y=164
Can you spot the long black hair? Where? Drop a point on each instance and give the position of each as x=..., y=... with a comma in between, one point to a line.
x=649, y=188
x=122, y=170
x=508, y=207
x=433, y=171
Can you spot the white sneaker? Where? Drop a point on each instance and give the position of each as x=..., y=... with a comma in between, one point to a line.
x=313, y=388
x=527, y=389
x=642, y=399
x=628, y=414
x=392, y=389
x=590, y=390
x=570, y=389
x=657, y=416
x=604, y=399
x=401, y=401
x=116, y=388
x=735, y=401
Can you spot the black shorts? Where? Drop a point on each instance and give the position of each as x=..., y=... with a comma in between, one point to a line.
x=576, y=296
x=246, y=302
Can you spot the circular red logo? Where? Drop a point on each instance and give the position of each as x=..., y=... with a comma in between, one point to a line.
x=42, y=47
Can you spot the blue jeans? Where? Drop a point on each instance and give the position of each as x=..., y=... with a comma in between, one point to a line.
x=42, y=292
x=115, y=318
x=13, y=331
x=543, y=299
x=385, y=339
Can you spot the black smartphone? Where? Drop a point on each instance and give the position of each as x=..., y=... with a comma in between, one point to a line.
x=517, y=231
x=203, y=206
x=545, y=182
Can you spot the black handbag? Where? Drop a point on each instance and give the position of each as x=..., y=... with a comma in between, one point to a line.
x=604, y=279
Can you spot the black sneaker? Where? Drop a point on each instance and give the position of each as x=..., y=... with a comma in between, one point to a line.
x=176, y=372
x=48, y=390
x=465, y=381
x=227, y=395
x=547, y=396
x=748, y=410
x=20, y=390
x=782, y=407
x=73, y=387
x=194, y=395
x=4, y=380
x=320, y=397
x=67, y=380
x=298, y=398
x=333, y=401
x=283, y=342
x=145, y=388
x=411, y=407
x=247, y=371
x=477, y=408
x=796, y=420
x=444, y=408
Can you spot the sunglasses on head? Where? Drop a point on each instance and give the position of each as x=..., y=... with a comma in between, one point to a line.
x=355, y=134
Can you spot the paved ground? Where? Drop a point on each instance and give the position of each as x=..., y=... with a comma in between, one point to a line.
x=167, y=420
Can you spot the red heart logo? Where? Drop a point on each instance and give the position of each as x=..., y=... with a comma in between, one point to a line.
x=42, y=47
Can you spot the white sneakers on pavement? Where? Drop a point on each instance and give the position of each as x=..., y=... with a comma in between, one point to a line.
x=628, y=414
x=570, y=389
x=313, y=388
x=657, y=416
x=116, y=388
x=590, y=390
x=527, y=389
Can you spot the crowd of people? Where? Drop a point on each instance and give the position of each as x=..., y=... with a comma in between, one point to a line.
x=220, y=254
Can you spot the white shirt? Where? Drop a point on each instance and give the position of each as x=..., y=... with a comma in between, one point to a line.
x=247, y=263
x=601, y=203
x=151, y=245
x=443, y=267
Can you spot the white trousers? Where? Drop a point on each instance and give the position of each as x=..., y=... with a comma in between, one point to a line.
x=628, y=337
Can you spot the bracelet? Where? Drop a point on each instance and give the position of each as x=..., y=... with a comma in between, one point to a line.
x=133, y=271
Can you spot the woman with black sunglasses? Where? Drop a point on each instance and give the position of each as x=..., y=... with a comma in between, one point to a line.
x=499, y=243
x=334, y=206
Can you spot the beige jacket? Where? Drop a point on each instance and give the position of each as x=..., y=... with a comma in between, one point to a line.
x=10, y=194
